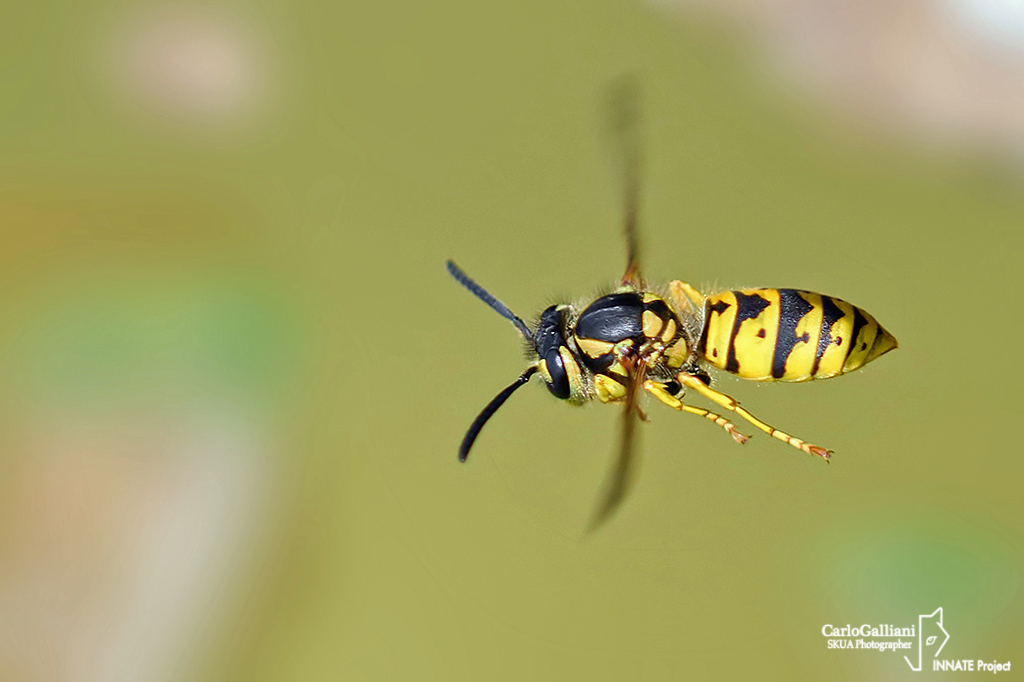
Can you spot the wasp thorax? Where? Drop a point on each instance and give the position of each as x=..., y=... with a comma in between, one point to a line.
x=630, y=323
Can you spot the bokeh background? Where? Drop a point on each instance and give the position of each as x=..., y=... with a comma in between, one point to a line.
x=234, y=373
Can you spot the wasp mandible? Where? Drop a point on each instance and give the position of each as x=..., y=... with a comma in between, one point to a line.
x=661, y=341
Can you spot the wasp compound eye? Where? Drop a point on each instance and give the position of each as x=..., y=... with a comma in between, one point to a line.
x=553, y=370
x=549, y=339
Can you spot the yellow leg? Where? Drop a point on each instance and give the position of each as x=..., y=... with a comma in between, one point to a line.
x=608, y=390
x=657, y=389
x=730, y=403
x=683, y=293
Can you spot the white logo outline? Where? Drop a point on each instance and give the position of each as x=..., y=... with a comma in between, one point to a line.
x=920, y=635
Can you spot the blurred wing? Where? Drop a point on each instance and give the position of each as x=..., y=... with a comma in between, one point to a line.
x=624, y=117
x=620, y=478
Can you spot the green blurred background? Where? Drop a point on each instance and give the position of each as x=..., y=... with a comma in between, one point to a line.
x=234, y=373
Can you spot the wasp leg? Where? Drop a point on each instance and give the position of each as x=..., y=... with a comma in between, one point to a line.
x=658, y=390
x=683, y=293
x=730, y=403
x=608, y=390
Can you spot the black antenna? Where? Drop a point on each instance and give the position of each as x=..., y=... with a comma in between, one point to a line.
x=502, y=309
x=492, y=407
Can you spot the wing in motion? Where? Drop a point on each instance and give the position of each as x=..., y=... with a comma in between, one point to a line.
x=623, y=471
x=624, y=120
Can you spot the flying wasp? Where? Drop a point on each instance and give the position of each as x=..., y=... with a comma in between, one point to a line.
x=662, y=340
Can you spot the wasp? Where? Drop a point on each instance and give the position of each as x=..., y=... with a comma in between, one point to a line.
x=662, y=341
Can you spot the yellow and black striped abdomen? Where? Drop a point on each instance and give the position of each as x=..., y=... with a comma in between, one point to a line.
x=788, y=335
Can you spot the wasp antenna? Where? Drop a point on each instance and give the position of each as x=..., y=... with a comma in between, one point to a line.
x=488, y=412
x=481, y=293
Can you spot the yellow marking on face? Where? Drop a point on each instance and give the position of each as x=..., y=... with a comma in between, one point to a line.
x=801, y=359
x=572, y=370
x=650, y=298
x=754, y=342
x=608, y=389
x=670, y=331
x=831, y=363
x=595, y=348
x=543, y=367
x=652, y=324
x=718, y=326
